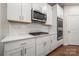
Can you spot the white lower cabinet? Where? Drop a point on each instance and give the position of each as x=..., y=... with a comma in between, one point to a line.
x=30, y=51
x=40, y=50
x=15, y=52
x=53, y=42
x=45, y=45
x=42, y=46
x=20, y=48
x=39, y=46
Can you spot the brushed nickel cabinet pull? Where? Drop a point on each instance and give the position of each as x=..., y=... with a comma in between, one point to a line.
x=25, y=50
x=44, y=43
x=20, y=17
x=51, y=41
x=21, y=52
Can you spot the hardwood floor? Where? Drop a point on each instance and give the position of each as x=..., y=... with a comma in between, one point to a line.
x=66, y=51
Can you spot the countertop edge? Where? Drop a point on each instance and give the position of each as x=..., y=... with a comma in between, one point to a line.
x=5, y=41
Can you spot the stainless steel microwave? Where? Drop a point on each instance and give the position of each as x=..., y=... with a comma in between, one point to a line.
x=38, y=16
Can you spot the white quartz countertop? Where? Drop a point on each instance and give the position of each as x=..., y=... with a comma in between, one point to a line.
x=17, y=37
x=21, y=37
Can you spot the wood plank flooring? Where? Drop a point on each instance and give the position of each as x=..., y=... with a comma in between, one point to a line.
x=66, y=51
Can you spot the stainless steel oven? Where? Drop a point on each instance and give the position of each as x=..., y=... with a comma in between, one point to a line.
x=59, y=28
x=59, y=34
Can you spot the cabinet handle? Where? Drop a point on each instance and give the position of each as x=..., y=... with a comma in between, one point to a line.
x=45, y=43
x=20, y=17
x=21, y=52
x=25, y=50
x=51, y=41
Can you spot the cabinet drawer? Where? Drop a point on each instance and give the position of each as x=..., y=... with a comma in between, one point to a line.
x=15, y=52
x=41, y=40
x=16, y=44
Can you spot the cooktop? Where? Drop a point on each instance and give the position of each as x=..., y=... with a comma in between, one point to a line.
x=37, y=33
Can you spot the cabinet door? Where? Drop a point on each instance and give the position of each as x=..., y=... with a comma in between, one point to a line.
x=37, y=6
x=53, y=42
x=44, y=8
x=26, y=12
x=30, y=51
x=42, y=46
x=14, y=11
x=59, y=11
x=40, y=49
x=49, y=15
x=29, y=47
x=47, y=45
x=62, y=13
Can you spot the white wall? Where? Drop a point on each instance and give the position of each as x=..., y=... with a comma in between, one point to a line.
x=3, y=21
x=69, y=10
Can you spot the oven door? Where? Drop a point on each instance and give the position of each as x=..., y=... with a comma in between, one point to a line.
x=59, y=35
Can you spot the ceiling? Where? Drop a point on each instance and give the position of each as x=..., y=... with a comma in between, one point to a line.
x=63, y=4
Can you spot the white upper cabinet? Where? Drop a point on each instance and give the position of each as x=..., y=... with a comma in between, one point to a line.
x=47, y=9
x=19, y=11
x=13, y=11
x=26, y=11
x=40, y=7
x=59, y=11
x=49, y=15
x=37, y=6
x=62, y=13
x=44, y=7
